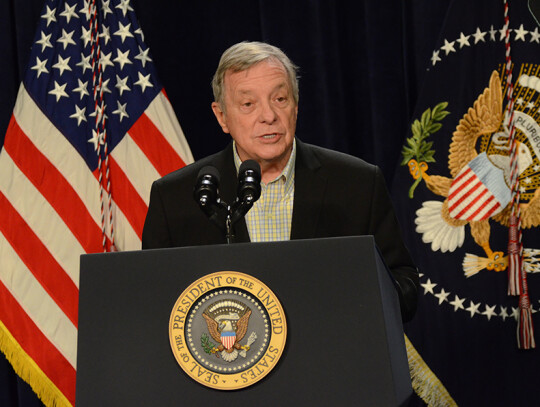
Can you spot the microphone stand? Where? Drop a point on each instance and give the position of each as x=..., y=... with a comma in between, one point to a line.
x=229, y=234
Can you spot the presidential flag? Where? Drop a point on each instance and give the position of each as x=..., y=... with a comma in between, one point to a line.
x=91, y=129
x=472, y=153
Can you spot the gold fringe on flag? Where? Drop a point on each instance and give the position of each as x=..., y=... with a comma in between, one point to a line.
x=424, y=382
x=29, y=371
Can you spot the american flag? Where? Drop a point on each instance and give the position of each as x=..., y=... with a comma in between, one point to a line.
x=90, y=131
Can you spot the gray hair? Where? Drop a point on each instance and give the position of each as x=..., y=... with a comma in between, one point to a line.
x=243, y=56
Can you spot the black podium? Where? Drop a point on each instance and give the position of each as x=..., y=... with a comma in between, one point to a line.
x=345, y=343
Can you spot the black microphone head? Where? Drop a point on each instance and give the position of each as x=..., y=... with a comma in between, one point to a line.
x=211, y=171
x=205, y=191
x=250, y=165
x=249, y=181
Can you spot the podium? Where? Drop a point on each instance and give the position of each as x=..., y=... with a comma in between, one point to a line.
x=344, y=346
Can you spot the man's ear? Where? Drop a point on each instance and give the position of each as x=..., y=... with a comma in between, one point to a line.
x=220, y=116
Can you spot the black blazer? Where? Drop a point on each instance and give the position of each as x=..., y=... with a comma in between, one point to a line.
x=335, y=195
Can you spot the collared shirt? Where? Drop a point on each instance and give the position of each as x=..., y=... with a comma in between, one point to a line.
x=271, y=215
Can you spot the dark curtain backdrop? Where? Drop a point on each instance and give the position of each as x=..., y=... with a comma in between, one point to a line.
x=361, y=66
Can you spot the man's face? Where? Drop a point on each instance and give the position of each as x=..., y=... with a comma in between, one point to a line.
x=260, y=113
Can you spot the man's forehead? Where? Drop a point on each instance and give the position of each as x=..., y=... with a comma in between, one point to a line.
x=267, y=68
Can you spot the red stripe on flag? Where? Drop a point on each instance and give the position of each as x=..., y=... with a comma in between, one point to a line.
x=54, y=187
x=455, y=193
x=471, y=204
x=39, y=260
x=462, y=175
x=462, y=181
x=126, y=197
x=156, y=147
x=36, y=345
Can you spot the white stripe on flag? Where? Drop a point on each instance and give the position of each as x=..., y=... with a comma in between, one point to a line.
x=161, y=113
x=40, y=217
x=136, y=166
x=35, y=301
x=125, y=237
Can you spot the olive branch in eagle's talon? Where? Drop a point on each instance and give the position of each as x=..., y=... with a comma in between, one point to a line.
x=418, y=152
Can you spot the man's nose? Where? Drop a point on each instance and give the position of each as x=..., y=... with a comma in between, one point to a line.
x=267, y=113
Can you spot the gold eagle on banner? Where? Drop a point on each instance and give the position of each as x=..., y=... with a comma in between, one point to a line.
x=479, y=188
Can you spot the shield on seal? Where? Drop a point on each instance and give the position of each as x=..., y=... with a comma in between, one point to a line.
x=228, y=338
x=479, y=191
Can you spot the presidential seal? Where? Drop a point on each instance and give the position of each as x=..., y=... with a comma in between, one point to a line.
x=227, y=330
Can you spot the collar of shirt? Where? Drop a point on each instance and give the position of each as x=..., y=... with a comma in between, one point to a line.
x=287, y=174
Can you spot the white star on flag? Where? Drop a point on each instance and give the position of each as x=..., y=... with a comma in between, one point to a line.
x=79, y=114
x=105, y=34
x=121, y=84
x=82, y=89
x=144, y=82
x=49, y=15
x=97, y=139
x=143, y=56
x=62, y=64
x=121, y=111
x=105, y=60
x=124, y=32
x=124, y=6
x=59, y=91
x=86, y=36
x=45, y=41
x=69, y=12
x=85, y=63
x=122, y=58
x=66, y=38
x=40, y=66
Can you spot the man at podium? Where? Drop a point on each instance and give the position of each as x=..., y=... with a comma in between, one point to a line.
x=306, y=191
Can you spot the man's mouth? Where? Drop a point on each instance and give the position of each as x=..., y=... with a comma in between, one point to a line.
x=269, y=136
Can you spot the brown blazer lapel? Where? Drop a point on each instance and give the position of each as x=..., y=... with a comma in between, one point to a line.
x=309, y=187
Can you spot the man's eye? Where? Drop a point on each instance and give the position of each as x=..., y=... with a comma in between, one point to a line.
x=281, y=99
x=247, y=104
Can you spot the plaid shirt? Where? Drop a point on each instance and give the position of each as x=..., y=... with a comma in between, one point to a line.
x=270, y=217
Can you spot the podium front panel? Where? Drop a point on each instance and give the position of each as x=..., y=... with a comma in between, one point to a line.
x=344, y=343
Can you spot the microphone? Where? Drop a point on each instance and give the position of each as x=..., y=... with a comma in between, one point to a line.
x=249, y=189
x=206, y=190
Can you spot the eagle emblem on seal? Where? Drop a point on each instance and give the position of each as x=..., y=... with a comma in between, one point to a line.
x=479, y=189
x=227, y=322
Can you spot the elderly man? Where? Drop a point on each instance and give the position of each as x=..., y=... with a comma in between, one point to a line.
x=307, y=191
